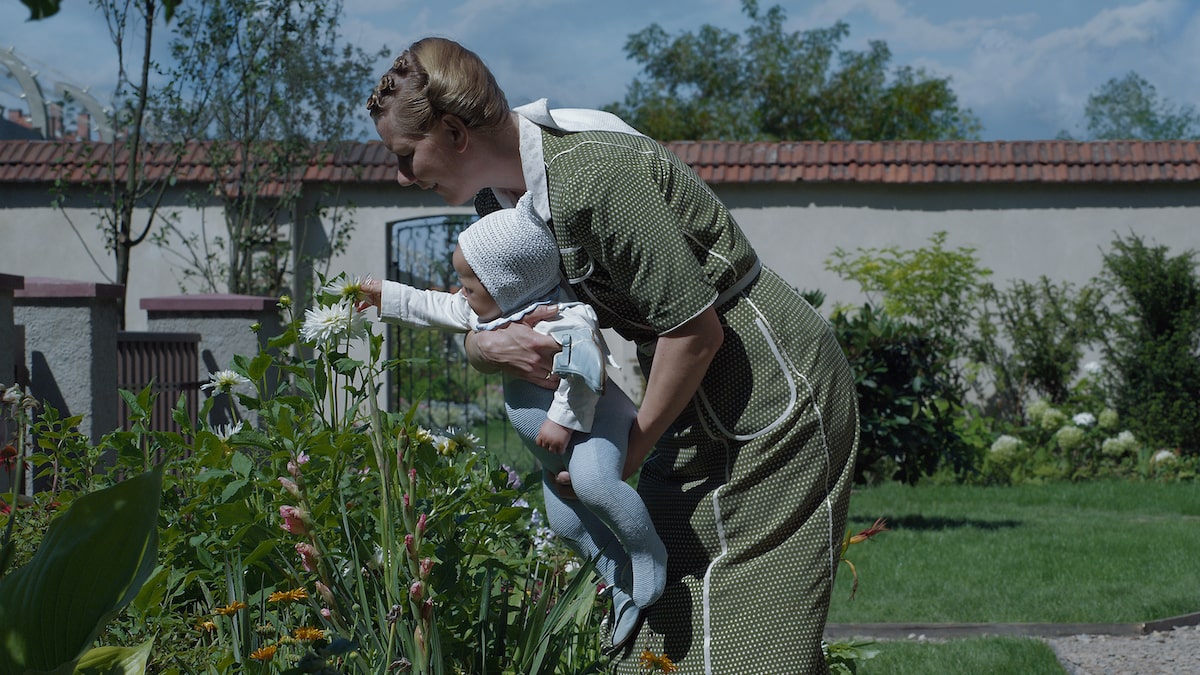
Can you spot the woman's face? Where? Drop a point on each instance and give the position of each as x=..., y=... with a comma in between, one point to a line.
x=430, y=161
x=478, y=298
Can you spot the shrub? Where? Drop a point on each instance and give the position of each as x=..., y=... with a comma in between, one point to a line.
x=1152, y=341
x=908, y=403
x=1031, y=337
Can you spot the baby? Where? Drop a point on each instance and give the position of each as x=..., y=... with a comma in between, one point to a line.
x=508, y=265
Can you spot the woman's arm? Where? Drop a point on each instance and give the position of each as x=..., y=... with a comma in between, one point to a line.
x=681, y=359
x=517, y=349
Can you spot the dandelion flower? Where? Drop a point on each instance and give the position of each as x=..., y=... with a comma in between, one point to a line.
x=294, y=595
x=264, y=653
x=328, y=323
x=657, y=663
x=223, y=381
x=308, y=633
x=231, y=608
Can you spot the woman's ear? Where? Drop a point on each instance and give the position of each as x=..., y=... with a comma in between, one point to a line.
x=455, y=131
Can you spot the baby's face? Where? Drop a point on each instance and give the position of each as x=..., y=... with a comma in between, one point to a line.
x=478, y=297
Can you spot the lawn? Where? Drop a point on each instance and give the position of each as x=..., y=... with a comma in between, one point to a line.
x=1101, y=552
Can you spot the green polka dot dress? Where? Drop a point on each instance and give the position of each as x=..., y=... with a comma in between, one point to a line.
x=749, y=488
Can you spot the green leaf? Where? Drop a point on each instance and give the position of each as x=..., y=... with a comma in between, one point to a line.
x=115, y=660
x=91, y=563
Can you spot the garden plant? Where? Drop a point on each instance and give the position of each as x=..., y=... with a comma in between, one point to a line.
x=321, y=532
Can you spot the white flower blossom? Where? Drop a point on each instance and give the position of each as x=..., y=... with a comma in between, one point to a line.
x=328, y=323
x=223, y=381
x=13, y=394
x=1163, y=456
x=344, y=287
x=227, y=431
x=1084, y=419
x=1005, y=444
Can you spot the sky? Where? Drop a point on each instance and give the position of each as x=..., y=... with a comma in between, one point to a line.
x=1024, y=67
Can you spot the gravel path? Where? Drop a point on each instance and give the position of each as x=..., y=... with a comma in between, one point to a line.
x=1173, y=652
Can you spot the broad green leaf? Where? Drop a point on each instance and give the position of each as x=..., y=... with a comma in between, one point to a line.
x=115, y=660
x=91, y=563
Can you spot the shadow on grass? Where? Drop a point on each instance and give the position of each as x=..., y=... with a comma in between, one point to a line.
x=943, y=523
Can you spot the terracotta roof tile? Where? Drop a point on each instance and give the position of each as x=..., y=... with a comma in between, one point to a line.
x=892, y=162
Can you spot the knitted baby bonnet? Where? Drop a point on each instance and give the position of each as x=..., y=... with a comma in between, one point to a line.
x=514, y=254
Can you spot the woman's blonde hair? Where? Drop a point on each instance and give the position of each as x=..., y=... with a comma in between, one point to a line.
x=434, y=77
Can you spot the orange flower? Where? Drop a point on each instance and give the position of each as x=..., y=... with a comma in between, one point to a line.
x=657, y=663
x=294, y=595
x=230, y=608
x=264, y=653
x=879, y=526
x=308, y=633
x=206, y=626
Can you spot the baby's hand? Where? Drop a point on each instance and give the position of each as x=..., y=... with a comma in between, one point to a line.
x=554, y=437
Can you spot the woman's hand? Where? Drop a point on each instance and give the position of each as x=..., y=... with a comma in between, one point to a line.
x=681, y=359
x=517, y=350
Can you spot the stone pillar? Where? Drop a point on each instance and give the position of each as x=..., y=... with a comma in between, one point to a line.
x=9, y=347
x=70, y=348
x=224, y=322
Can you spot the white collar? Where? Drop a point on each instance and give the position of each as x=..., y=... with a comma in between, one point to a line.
x=531, y=118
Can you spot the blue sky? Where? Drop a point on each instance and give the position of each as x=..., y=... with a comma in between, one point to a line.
x=1025, y=67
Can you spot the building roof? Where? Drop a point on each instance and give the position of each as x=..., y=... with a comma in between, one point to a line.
x=717, y=162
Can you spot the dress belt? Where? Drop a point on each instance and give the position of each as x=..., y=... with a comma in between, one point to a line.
x=740, y=285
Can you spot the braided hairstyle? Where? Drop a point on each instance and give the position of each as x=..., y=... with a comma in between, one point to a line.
x=434, y=77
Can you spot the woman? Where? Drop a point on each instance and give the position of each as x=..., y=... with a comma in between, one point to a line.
x=749, y=402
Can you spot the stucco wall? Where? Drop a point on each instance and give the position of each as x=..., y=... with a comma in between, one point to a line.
x=1018, y=230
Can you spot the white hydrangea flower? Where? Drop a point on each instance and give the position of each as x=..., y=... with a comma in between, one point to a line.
x=1069, y=438
x=1123, y=443
x=327, y=323
x=1108, y=419
x=1084, y=419
x=1053, y=418
x=223, y=381
x=1163, y=456
x=1006, y=444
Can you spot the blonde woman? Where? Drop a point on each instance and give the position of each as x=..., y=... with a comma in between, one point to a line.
x=746, y=435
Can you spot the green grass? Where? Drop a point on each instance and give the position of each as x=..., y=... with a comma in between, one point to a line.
x=1105, y=552
x=994, y=656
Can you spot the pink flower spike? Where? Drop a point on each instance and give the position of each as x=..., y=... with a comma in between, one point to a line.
x=421, y=520
x=308, y=556
x=426, y=567
x=410, y=545
x=290, y=485
x=294, y=519
x=416, y=591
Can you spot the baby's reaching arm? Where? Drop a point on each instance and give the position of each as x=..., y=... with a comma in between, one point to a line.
x=418, y=308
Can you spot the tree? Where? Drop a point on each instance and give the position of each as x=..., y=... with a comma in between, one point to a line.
x=1129, y=108
x=271, y=87
x=772, y=85
x=41, y=9
x=122, y=189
